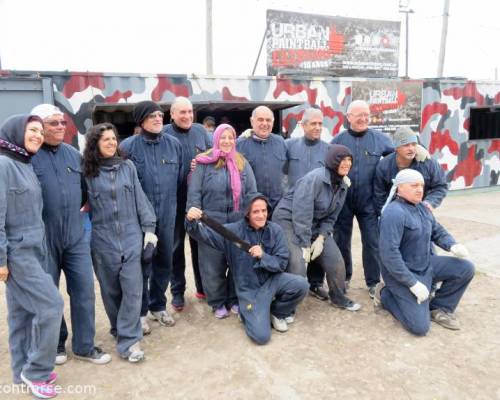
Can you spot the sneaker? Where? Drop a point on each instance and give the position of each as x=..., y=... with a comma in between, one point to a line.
x=61, y=356
x=279, y=324
x=39, y=389
x=377, y=301
x=445, y=319
x=290, y=319
x=221, y=312
x=136, y=354
x=200, y=296
x=163, y=317
x=319, y=292
x=52, y=378
x=371, y=291
x=178, y=302
x=146, y=329
x=349, y=305
x=235, y=309
x=96, y=356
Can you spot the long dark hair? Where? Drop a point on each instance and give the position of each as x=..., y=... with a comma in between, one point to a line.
x=92, y=158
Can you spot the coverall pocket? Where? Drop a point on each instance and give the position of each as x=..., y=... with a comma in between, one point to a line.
x=74, y=175
x=20, y=201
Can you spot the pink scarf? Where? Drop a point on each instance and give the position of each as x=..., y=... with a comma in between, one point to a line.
x=217, y=153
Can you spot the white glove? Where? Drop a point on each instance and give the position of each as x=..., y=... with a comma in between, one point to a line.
x=421, y=153
x=459, y=250
x=150, y=237
x=306, y=254
x=420, y=291
x=247, y=133
x=317, y=247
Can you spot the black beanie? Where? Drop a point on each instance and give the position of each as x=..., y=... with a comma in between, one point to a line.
x=336, y=153
x=254, y=197
x=143, y=109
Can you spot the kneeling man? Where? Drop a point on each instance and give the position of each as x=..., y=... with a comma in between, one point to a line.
x=407, y=228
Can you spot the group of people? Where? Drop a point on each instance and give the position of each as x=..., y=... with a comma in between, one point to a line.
x=268, y=220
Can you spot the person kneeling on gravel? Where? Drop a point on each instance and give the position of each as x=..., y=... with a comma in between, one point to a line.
x=407, y=228
x=266, y=294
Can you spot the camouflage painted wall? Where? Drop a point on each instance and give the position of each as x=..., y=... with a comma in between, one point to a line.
x=444, y=126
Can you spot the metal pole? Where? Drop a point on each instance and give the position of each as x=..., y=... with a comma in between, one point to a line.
x=444, y=33
x=210, y=69
x=260, y=51
x=406, y=48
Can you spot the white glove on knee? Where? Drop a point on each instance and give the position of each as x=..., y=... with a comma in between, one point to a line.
x=150, y=237
x=420, y=291
x=317, y=247
x=306, y=254
x=421, y=153
x=459, y=250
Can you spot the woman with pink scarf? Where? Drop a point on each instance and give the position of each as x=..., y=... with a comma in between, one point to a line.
x=220, y=184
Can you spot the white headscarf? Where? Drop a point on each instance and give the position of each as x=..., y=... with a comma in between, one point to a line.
x=46, y=110
x=407, y=175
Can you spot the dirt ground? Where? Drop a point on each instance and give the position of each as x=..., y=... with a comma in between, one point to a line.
x=327, y=353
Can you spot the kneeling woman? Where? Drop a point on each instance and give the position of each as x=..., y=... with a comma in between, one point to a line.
x=121, y=216
x=307, y=214
x=34, y=304
x=219, y=186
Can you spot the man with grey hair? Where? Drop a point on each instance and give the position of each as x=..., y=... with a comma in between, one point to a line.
x=303, y=155
x=405, y=141
x=368, y=146
x=266, y=152
x=58, y=168
x=194, y=140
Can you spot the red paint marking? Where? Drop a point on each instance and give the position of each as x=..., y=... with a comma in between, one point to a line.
x=227, y=95
x=71, y=130
x=79, y=82
x=439, y=140
x=495, y=146
x=468, y=90
x=335, y=41
x=431, y=109
x=166, y=84
x=287, y=86
x=117, y=95
x=331, y=113
x=468, y=168
x=292, y=117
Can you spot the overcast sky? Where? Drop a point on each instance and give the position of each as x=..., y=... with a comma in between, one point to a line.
x=169, y=36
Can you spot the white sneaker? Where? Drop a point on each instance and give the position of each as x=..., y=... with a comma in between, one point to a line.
x=163, y=317
x=136, y=353
x=290, y=319
x=146, y=329
x=61, y=358
x=279, y=324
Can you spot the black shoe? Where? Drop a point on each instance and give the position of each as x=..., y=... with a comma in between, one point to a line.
x=178, y=302
x=96, y=356
x=319, y=292
x=349, y=305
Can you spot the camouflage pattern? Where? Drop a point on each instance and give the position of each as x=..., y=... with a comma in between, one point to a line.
x=444, y=122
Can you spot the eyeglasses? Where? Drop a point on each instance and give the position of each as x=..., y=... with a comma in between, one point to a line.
x=54, y=123
x=156, y=114
x=360, y=115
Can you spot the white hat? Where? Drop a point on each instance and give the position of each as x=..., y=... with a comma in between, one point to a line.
x=46, y=110
x=407, y=175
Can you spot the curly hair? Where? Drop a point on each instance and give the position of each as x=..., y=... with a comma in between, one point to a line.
x=91, y=155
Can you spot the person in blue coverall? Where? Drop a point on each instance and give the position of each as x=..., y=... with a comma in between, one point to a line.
x=158, y=159
x=303, y=155
x=407, y=229
x=307, y=214
x=405, y=141
x=266, y=294
x=194, y=140
x=266, y=152
x=220, y=186
x=121, y=216
x=58, y=168
x=34, y=304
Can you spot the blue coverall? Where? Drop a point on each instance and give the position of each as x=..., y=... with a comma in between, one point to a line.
x=59, y=171
x=121, y=213
x=435, y=188
x=309, y=209
x=193, y=141
x=34, y=304
x=406, y=234
x=262, y=286
x=160, y=168
x=267, y=158
x=367, y=148
x=210, y=190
